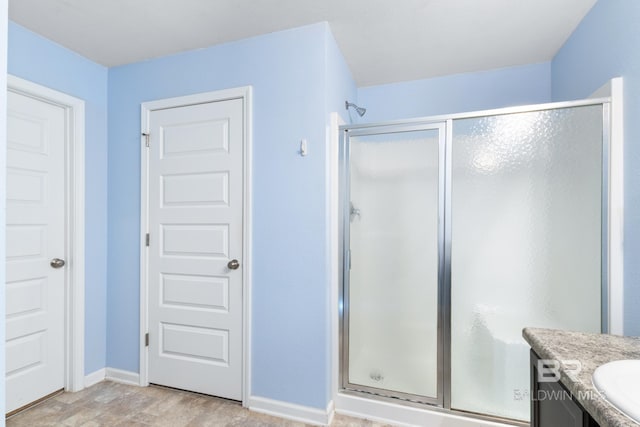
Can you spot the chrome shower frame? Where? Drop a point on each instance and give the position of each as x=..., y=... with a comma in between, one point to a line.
x=445, y=125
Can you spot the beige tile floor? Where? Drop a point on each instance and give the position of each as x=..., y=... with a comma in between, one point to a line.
x=113, y=404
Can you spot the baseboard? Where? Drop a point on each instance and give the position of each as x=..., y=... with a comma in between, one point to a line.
x=95, y=377
x=331, y=411
x=124, y=377
x=290, y=411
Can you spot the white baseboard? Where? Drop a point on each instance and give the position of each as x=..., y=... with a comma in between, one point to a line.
x=330, y=412
x=290, y=411
x=94, y=377
x=402, y=415
x=124, y=377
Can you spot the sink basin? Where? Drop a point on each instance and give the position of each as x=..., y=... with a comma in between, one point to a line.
x=619, y=383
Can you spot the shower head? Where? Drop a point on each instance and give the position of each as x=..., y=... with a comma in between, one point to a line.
x=359, y=110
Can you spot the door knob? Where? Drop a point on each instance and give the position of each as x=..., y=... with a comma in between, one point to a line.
x=233, y=264
x=57, y=263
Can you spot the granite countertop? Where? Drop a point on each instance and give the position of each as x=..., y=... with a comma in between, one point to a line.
x=591, y=350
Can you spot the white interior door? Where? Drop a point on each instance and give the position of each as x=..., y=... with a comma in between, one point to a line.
x=35, y=291
x=195, y=225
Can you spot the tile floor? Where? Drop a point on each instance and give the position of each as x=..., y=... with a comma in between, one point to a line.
x=114, y=405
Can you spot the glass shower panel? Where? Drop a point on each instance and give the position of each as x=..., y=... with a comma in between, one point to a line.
x=393, y=282
x=525, y=246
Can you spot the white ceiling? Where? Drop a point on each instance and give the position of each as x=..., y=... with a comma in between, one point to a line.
x=383, y=41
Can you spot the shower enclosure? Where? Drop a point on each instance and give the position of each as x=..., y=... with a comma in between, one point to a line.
x=458, y=232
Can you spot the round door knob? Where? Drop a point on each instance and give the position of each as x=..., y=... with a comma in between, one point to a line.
x=57, y=263
x=233, y=264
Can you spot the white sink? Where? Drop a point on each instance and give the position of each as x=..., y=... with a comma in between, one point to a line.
x=619, y=382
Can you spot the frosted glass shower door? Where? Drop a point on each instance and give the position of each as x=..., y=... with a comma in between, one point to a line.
x=394, y=235
x=526, y=246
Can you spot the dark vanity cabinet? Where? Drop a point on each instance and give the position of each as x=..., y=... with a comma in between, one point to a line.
x=552, y=405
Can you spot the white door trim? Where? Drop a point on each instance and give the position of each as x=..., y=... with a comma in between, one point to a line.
x=74, y=221
x=201, y=98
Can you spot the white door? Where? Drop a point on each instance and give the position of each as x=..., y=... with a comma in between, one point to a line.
x=35, y=235
x=195, y=225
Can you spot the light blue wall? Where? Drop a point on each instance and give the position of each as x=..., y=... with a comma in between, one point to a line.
x=41, y=61
x=504, y=87
x=606, y=45
x=340, y=85
x=290, y=278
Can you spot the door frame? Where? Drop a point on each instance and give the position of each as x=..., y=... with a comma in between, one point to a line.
x=74, y=310
x=244, y=93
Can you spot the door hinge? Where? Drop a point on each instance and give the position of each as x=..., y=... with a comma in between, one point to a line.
x=146, y=138
x=146, y=240
x=146, y=339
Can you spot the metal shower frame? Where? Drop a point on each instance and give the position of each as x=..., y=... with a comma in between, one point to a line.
x=444, y=124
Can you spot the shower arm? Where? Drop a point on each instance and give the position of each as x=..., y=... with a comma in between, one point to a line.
x=359, y=110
